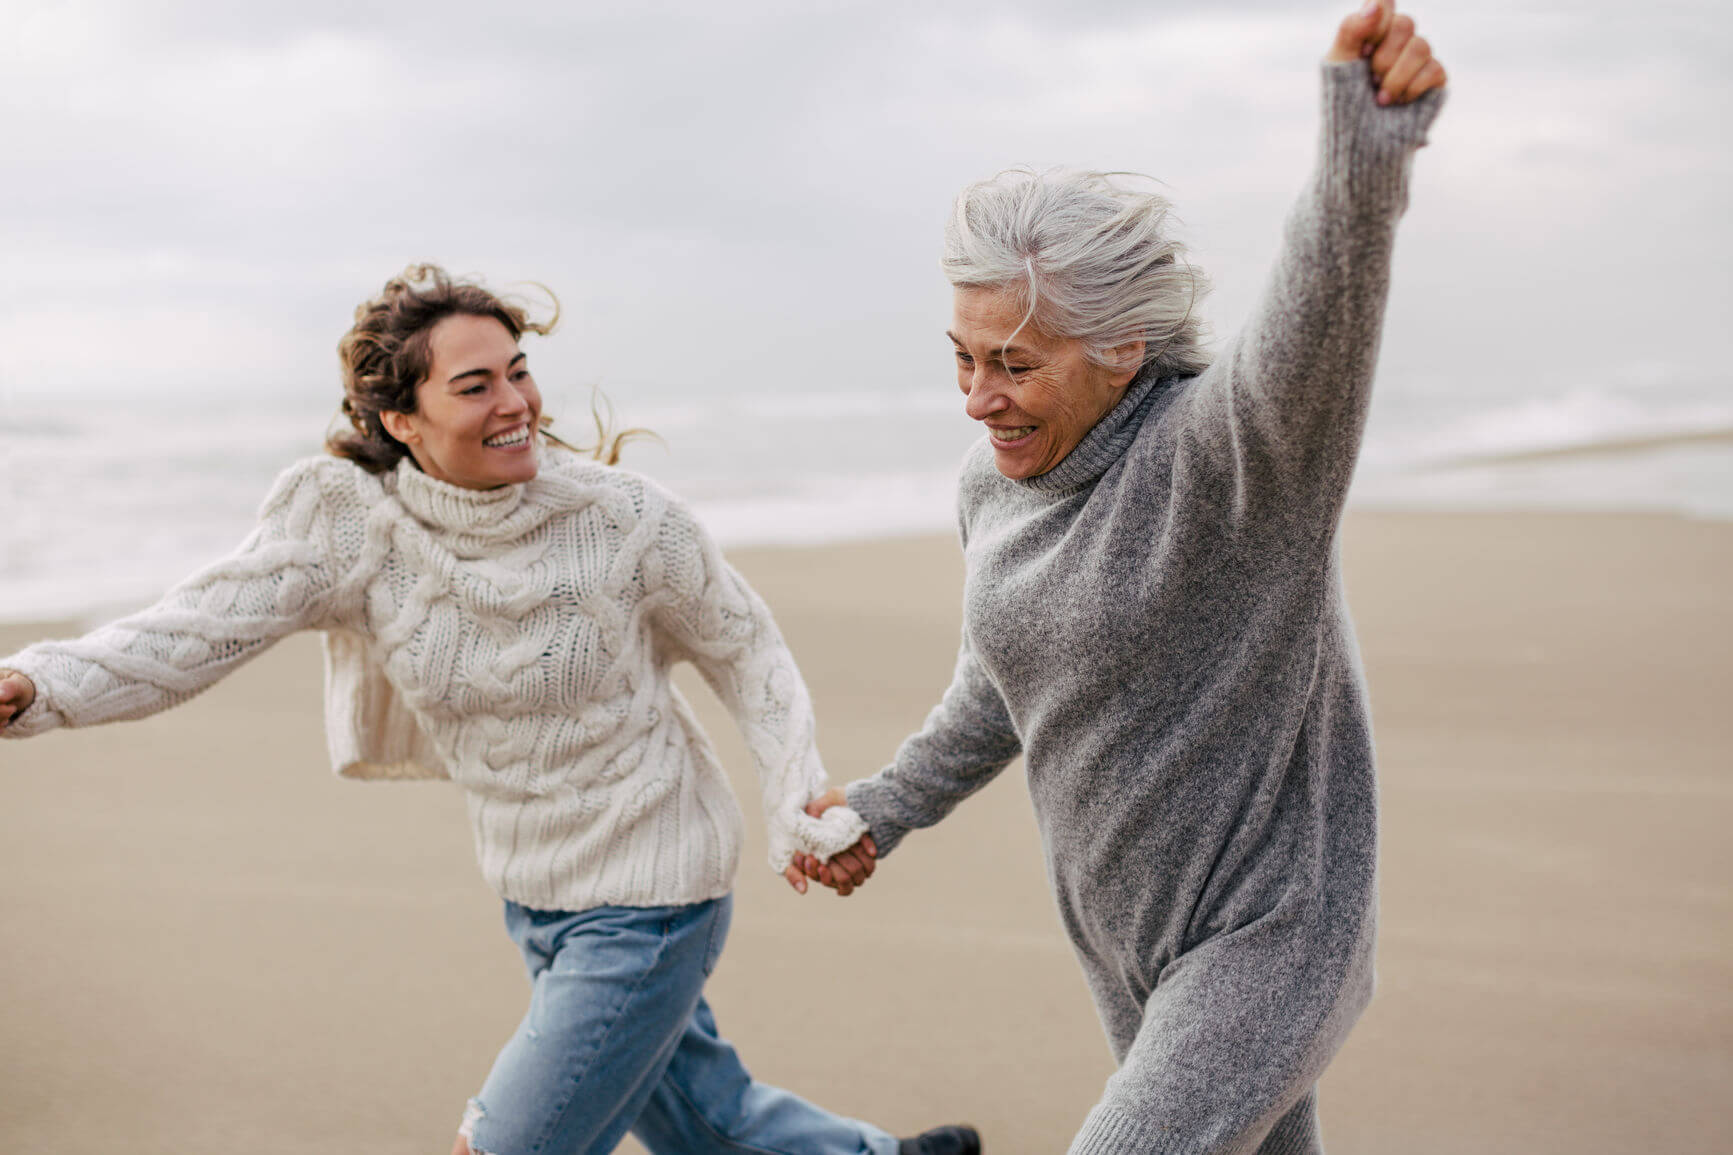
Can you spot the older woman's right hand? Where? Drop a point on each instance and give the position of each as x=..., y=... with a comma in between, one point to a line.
x=16, y=694
x=1402, y=63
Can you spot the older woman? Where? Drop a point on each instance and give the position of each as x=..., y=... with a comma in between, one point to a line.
x=1154, y=617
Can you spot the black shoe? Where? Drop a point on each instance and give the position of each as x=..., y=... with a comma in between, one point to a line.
x=943, y=1141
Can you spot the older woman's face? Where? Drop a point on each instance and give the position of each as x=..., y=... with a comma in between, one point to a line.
x=1037, y=395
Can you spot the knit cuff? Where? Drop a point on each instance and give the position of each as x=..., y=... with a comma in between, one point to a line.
x=41, y=715
x=1366, y=148
x=876, y=804
x=1110, y=1131
x=823, y=837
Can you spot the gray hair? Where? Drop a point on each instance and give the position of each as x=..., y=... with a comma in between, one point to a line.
x=1085, y=257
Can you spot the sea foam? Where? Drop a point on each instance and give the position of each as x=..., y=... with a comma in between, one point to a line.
x=110, y=504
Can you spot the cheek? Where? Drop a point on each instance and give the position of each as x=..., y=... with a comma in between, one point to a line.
x=445, y=422
x=1050, y=400
x=1073, y=401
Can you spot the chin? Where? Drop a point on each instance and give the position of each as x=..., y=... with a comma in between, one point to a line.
x=1016, y=466
x=514, y=472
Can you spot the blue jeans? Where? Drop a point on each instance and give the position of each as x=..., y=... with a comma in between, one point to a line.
x=618, y=1037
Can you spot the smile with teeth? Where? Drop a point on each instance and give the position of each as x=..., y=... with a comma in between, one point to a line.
x=510, y=439
x=1014, y=434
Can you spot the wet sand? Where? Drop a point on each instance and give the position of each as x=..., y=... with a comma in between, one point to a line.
x=211, y=945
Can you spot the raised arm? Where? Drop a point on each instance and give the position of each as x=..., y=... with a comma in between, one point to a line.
x=1283, y=407
x=279, y=580
x=710, y=616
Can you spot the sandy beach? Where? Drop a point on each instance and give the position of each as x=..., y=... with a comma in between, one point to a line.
x=213, y=947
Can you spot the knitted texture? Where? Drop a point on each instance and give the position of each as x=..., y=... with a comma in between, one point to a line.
x=1158, y=626
x=518, y=639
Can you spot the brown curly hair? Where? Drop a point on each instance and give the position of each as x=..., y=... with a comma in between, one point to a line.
x=386, y=354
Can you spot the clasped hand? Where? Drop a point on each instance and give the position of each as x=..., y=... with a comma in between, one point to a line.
x=846, y=869
x=16, y=694
x=1402, y=63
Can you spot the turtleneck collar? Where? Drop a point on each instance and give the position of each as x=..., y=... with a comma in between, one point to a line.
x=1105, y=443
x=480, y=515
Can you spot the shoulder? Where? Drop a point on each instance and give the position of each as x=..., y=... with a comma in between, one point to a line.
x=573, y=479
x=324, y=481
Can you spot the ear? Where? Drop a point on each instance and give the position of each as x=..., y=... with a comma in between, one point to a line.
x=1129, y=358
x=399, y=426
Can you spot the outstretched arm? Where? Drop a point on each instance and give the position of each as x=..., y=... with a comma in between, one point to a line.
x=710, y=616
x=1281, y=411
x=967, y=739
x=279, y=580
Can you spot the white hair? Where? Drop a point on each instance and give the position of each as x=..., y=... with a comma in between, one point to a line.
x=1085, y=257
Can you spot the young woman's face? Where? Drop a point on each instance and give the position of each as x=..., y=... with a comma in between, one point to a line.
x=476, y=414
x=1037, y=395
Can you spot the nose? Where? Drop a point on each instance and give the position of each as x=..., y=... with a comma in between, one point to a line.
x=513, y=400
x=981, y=395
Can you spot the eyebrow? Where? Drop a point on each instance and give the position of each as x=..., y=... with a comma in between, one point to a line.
x=483, y=372
x=1001, y=352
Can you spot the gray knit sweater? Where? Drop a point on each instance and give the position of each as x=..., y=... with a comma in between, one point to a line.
x=1157, y=624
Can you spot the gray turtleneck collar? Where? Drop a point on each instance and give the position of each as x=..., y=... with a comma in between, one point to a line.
x=1105, y=443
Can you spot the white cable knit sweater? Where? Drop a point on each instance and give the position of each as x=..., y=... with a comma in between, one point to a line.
x=517, y=640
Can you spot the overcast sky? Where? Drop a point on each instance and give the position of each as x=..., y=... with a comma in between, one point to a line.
x=746, y=194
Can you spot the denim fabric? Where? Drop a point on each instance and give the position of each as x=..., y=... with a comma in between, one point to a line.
x=618, y=1037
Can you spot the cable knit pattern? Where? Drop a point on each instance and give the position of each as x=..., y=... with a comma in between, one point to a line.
x=517, y=640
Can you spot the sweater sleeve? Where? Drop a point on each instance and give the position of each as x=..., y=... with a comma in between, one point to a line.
x=705, y=609
x=966, y=740
x=278, y=581
x=1278, y=417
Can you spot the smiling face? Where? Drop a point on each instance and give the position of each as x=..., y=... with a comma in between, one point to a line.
x=1037, y=395
x=476, y=414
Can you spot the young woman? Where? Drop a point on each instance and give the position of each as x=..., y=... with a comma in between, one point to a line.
x=503, y=612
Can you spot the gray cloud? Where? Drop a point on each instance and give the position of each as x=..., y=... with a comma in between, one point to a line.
x=751, y=193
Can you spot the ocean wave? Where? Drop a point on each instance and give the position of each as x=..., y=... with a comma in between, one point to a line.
x=109, y=506
x=1577, y=422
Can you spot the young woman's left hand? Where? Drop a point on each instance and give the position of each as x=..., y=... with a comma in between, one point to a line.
x=847, y=869
x=16, y=694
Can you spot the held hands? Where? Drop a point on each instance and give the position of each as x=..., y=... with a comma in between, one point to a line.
x=16, y=694
x=1402, y=63
x=847, y=869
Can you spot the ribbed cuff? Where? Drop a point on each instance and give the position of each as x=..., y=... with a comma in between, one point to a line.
x=1110, y=1131
x=1365, y=151
x=1295, y=1134
x=874, y=802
